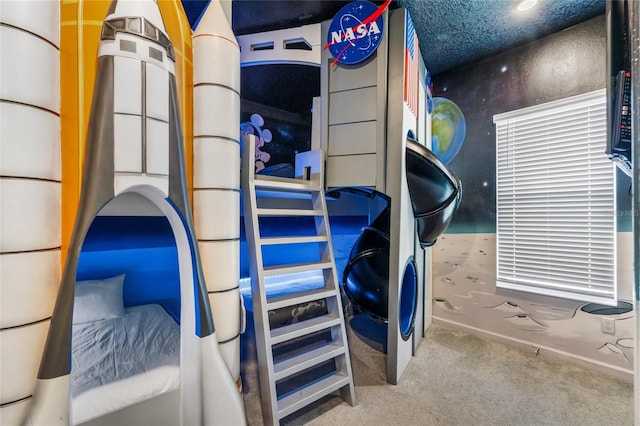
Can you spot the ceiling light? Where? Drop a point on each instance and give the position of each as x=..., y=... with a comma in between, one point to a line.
x=523, y=5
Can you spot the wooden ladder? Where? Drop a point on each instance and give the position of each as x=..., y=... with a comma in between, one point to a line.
x=302, y=361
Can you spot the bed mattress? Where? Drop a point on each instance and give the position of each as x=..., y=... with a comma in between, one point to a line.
x=121, y=361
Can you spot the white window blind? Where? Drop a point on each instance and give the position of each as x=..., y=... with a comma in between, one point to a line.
x=556, y=200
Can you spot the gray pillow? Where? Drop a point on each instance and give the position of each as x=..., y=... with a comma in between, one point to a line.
x=98, y=299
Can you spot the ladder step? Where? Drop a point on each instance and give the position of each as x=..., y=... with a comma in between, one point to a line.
x=263, y=193
x=288, y=212
x=293, y=240
x=300, y=362
x=275, y=182
x=302, y=328
x=305, y=396
x=299, y=298
x=296, y=267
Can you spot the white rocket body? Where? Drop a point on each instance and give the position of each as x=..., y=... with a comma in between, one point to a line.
x=141, y=92
x=134, y=145
x=216, y=178
x=30, y=194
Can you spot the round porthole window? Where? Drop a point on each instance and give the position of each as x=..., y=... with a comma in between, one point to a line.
x=408, y=300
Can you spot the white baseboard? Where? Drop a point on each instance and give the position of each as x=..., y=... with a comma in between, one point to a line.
x=625, y=374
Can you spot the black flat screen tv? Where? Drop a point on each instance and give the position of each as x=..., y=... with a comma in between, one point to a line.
x=619, y=84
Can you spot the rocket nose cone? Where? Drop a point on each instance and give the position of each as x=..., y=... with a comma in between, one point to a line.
x=146, y=8
x=214, y=21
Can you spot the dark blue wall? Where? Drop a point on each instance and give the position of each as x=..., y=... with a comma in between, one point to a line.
x=565, y=64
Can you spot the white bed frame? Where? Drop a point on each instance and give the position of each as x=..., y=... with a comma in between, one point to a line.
x=162, y=410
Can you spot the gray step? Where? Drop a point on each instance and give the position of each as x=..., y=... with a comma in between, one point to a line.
x=275, y=182
x=302, y=328
x=289, y=212
x=295, y=364
x=308, y=394
x=266, y=192
x=299, y=298
x=293, y=240
x=296, y=267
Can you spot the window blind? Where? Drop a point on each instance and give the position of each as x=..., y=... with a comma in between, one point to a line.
x=555, y=200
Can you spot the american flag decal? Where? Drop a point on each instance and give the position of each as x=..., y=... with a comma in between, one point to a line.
x=411, y=71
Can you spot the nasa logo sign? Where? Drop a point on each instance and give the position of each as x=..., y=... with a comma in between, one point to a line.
x=355, y=32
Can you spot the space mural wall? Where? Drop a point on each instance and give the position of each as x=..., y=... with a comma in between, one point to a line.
x=564, y=64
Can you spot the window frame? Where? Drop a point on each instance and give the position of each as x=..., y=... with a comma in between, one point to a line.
x=517, y=269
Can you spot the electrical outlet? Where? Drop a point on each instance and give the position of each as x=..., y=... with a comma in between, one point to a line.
x=608, y=325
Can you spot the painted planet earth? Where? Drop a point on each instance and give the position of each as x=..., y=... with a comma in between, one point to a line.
x=448, y=129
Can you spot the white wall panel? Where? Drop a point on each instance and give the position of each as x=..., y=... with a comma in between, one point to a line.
x=12, y=414
x=213, y=120
x=29, y=285
x=353, y=138
x=216, y=214
x=157, y=147
x=351, y=170
x=353, y=105
x=39, y=17
x=346, y=79
x=225, y=307
x=20, y=350
x=29, y=150
x=157, y=81
x=27, y=78
x=209, y=68
x=222, y=266
x=214, y=163
x=127, y=81
x=127, y=144
x=230, y=352
x=30, y=215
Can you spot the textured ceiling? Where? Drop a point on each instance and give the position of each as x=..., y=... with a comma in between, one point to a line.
x=452, y=33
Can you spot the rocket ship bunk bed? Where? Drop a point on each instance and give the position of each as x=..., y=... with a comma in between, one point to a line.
x=373, y=157
x=132, y=338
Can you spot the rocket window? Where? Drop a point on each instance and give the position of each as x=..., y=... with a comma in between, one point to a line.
x=118, y=24
x=150, y=30
x=134, y=25
x=297, y=44
x=108, y=32
x=155, y=54
x=166, y=43
x=262, y=46
x=128, y=46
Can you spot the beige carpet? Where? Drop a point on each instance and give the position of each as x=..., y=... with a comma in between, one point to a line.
x=457, y=379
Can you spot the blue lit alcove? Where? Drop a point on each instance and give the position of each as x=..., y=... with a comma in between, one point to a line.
x=141, y=247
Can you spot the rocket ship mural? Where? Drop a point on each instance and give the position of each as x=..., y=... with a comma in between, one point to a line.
x=134, y=174
x=216, y=177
